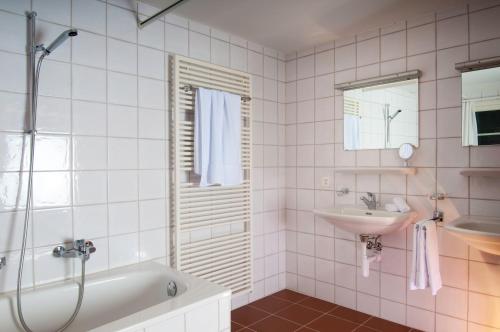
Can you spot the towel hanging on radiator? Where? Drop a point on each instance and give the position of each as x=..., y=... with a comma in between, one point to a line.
x=217, y=138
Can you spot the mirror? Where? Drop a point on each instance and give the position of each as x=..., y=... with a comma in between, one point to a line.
x=406, y=151
x=382, y=116
x=481, y=107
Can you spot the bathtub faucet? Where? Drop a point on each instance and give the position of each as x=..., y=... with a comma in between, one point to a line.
x=81, y=248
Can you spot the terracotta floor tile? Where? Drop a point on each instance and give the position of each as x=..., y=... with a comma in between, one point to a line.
x=385, y=325
x=329, y=323
x=299, y=314
x=349, y=314
x=247, y=315
x=236, y=327
x=363, y=328
x=271, y=304
x=279, y=313
x=274, y=324
x=318, y=304
x=289, y=295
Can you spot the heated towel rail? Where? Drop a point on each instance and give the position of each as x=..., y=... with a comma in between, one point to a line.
x=210, y=235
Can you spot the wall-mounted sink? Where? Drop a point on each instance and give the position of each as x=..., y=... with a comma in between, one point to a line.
x=364, y=221
x=482, y=233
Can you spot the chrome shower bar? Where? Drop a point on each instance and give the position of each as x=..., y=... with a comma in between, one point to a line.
x=190, y=87
x=162, y=12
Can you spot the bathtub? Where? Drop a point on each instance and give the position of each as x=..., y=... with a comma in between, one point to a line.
x=132, y=298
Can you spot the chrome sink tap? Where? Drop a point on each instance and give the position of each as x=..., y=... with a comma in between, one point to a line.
x=81, y=248
x=371, y=201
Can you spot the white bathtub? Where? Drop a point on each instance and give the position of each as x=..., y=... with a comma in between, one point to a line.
x=132, y=298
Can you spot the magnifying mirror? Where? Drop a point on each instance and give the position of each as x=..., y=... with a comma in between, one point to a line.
x=406, y=151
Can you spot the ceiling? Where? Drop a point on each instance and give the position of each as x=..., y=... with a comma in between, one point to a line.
x=294, y=25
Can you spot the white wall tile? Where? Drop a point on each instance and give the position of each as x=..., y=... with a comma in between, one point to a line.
x=176, y=39
x=484, y=25
x=452, y=32
x=88, y=84
x=122, y=186
x=123, y=250
x=122, y=56
x=345, y=57
x=421, y=39
x=55, y=78
x=219, y=52
x=123, y=218
x=89, y=15
x=199, y=46
x=393, y=45
x=57, y=11
x=89, y=49
x=121, y=24
x=89, y=187
x=13, y=32
x=122, y=89
x=89, y=118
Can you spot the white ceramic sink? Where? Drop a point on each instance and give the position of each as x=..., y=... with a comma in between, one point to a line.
x=363, y=221
x=482, y=233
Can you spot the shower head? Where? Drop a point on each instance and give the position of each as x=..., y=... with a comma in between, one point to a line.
x=59, y=40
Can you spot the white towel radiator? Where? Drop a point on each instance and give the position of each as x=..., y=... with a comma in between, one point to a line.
x=210, y=235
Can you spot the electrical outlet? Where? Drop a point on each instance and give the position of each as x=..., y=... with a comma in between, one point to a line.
x=325, y=182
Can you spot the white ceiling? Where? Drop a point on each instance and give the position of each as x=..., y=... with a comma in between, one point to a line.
x=291, y=25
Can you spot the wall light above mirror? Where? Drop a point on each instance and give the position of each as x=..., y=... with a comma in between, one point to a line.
x=480, y=102
x=381, y=113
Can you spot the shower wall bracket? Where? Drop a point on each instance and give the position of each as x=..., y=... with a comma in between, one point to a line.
x=156, y=16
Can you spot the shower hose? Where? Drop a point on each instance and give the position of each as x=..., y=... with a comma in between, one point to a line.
x=81, y=287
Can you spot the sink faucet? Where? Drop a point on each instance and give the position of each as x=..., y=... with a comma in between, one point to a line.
x=371, y=201
x=3, y=262
x=81, y=248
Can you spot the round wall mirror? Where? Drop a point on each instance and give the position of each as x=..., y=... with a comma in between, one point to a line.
x=406, y=151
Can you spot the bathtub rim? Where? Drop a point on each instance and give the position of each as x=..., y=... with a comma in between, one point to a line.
x=196, y=292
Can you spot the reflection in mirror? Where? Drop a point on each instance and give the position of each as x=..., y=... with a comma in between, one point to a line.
x=481, y=107
x=382, y=116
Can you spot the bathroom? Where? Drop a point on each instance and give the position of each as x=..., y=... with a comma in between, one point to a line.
x=113, y=166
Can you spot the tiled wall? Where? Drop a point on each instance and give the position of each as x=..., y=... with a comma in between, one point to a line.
x=102, y=150
x=324, y=261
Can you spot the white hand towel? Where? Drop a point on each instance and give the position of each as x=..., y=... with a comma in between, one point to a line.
x=425, y=257
x=231, y=131
x=215, y=173
x=391, y=207
x=208, y=149
x=217, y=138
x=202, y=133
x=401, y=204
x=432, y=256
x=422, y=279
x=415, y=275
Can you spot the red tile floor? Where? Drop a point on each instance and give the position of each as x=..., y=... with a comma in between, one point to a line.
x=288, y=311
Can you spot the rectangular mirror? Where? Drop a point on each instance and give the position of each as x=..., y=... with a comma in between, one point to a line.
x=481, y=107
x=382, y=116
